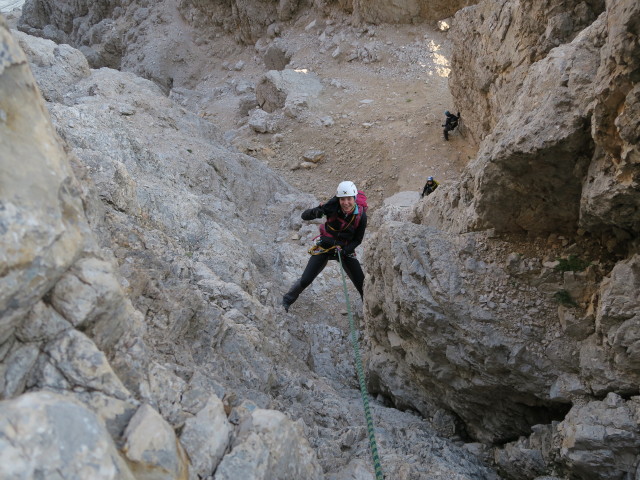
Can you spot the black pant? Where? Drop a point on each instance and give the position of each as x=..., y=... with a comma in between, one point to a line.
x=316, y=264
x=449, y=128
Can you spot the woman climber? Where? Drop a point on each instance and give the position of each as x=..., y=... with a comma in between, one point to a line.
x=343, y=231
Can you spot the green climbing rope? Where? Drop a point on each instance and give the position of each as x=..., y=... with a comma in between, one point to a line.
x=363, y=391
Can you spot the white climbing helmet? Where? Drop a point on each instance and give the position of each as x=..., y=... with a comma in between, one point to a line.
x=347, y=189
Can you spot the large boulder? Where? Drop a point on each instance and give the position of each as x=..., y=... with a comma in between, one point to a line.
x=152, y=449
x=41, y=217
x=55, y=66
x=269, y=445
x=452, y=328
x=44, y=435
x=278, y=88
x=601, y=439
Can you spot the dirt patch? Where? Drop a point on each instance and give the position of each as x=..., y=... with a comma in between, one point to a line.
x=384, y=114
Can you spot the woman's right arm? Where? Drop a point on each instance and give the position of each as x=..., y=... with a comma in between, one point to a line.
x=312, y=213
x=328, y=208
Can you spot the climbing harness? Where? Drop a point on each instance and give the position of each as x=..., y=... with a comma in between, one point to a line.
x=318, y=250
x=363, y=391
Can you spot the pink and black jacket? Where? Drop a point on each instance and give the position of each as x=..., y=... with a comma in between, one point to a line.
x=346, y=231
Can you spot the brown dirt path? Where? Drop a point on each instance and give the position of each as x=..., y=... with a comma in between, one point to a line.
x=386, y=134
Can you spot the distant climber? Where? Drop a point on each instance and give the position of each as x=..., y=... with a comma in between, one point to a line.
x=450, y=123
x=429, y=187
x=343, y=230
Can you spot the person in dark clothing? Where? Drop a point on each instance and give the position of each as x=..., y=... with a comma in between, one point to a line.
x=429, y=187
x=344, y=229
x=450, y=123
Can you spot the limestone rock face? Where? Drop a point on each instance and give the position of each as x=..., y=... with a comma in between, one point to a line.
x=99, y=31
x=62, y=437
x=536, y=157
x=41, y=217
x=610, y=193
x=617, y=323
x=451, y=329
x=601, y=439
x=431, y=342
x=174, y=44
x=459, y=323
x=170, y=301
x=57, y=280
x=246, y=20
x=595, y=440
x=503, y=39
x=93, y=25
x=554, y=107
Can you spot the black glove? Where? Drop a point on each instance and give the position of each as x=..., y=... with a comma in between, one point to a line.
x=312, y=213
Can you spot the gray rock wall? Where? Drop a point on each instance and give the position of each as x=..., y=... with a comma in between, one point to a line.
x=452, y=328
x=509, y=344
x=610, y=191
x=502, y=40
x=550, y=94
x=41, y=192
x=121, y=34
x=69, y=326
